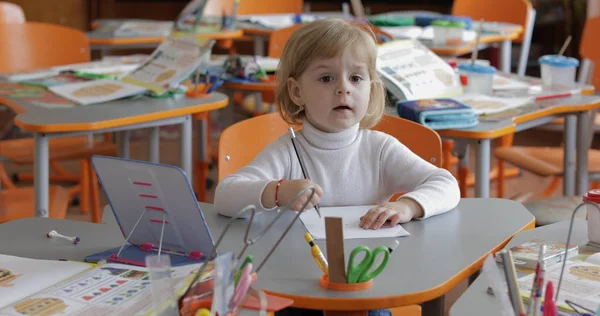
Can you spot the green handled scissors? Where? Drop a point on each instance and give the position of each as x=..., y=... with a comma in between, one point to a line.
x=360, y=273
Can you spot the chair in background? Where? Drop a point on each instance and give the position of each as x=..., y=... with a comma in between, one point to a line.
x=25, y=48
x=548, y=161
x=519, y=12
x=11, y=13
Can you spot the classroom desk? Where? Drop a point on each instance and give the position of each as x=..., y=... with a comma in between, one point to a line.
x=462, y=238
x=575, y=110
x=115, y=116
x=102, y=37
x=475, y=301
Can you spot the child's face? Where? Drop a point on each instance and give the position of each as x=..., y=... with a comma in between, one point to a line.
x=335, y=92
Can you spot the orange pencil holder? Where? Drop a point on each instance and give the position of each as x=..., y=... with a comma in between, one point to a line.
x=199, y=92
x=326, y=284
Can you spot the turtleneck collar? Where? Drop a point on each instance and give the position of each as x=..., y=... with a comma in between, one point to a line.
x=320, y=139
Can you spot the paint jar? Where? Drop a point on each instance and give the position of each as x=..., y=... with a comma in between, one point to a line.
x=454, y=33
x=477, y=78
x=440, y=29
x=593, y=215
x=558, y=70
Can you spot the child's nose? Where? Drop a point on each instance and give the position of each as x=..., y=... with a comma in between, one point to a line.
x=342, y=90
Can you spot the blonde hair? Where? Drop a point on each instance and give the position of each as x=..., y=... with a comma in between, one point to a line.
x=327, y=38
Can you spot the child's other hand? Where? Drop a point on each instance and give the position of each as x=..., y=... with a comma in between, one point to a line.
x=398, y=212
x=289, y=189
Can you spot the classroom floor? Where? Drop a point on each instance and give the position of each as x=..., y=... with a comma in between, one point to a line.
x=169, y=154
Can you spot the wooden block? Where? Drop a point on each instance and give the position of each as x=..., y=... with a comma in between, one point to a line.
x=334, y=234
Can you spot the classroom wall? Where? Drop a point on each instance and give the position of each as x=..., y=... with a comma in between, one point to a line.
x=593, y=8
x=71, y=13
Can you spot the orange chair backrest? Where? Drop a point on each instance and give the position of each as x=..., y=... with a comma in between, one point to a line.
x=11, y=13
x=33, y=45
x=278, y=39
x=270, y=6
x=508, y=11
x=589, y=47
x=241, y=142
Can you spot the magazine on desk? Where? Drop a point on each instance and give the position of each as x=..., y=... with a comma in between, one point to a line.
x=48, y=287
x=170, y=64
x=411, y=71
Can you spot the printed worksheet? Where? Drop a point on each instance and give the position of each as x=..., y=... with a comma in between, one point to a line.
x=484, y=104
x=580, y=284
x=351, y=218
x=97, y=91
x=172, y=62
x=414, y=69
x=110, y=289
x=20, y=277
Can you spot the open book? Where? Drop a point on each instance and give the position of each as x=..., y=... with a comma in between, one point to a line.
x=411, y=71
x=50, y=287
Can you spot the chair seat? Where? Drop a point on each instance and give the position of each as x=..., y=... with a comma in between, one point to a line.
x=543, y=161
x=20, y=203
x=552, y=210
x=21, y=151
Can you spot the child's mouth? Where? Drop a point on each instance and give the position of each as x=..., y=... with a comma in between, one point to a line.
x=342, y=108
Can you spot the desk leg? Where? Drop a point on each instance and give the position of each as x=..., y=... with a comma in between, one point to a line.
x=434, y=307
x=345, y=313
x=482, y=172
x=505, y=56
x=153, y=145
x=570, y=135
x=259, y=45
x=581, y=167
x=202, y=159
x=123, y=144
x=40, y=180
x=185, y=146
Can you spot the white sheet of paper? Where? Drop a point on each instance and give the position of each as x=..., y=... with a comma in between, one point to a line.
x=351, y=218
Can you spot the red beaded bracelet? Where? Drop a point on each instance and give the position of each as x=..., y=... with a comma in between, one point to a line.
x=277, y=193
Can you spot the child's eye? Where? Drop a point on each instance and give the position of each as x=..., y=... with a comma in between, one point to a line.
x=326, y=79
x=357, y=78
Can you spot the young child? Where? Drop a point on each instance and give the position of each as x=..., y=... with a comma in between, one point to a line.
x=328, y=82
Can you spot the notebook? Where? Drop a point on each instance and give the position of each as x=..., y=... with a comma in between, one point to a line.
x=156, y=208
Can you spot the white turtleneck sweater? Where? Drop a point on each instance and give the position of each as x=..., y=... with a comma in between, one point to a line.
x=353, y=167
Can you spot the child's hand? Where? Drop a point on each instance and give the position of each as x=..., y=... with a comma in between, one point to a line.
x=398, y=212
x=288, y=190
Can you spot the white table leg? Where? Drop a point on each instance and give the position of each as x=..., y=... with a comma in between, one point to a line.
x=505, y=56
x=482, y=166
x=259, y=45
x=185, y=146
x=154, y=145
x=41, y=180
x=123, y=144
x=570, y=135
x=581, y=167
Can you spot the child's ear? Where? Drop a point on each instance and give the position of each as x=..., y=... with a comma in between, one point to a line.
x=294, y=91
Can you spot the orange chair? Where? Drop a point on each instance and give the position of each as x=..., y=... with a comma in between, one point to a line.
x=11, y=13
x=25, y=48
x=548, y=161
x=242, y=141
